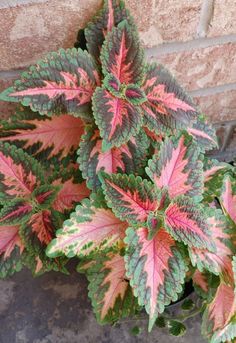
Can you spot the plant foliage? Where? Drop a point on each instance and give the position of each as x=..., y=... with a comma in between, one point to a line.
x=106, y=163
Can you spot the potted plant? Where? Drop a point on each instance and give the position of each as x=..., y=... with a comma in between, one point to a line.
x=154, y=211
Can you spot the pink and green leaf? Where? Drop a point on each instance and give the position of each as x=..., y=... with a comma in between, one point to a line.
x=69, y=194
x=60, y=134
x=214, y=173
x=168, y=106
x=122, y=55
x=177, y=167
x=204, y=134
x=41, y=224
x=135, y=95
x=15, y=212
x=109, y=290
x=218, y=325
x=9, y=239
x=128, y=158
x=228, y=197
x=112, y=13
x=88, y=230
x=10, y=264
x=187, y=222
x=19, y=173
x=62, y=82
x=130, y=197
x=156, y=270
x=218, y=261
x=117, y=119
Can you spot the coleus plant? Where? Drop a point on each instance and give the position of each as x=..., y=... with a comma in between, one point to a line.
x=153, y=212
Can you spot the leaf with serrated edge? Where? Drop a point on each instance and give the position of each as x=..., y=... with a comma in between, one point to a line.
x=130, y=197
x=9, y=238
x=228, y=197
x=117, y=119
x=186, y=221
x=110, y=292
x=168, y=106
x=177, y=168
x=122, y=55
x=15, y=212
x=204, y=134
x=219, y=313
x=156, y=270
x=41, y=224
x=219, y=261
x=11, y=264
x=89, y=228
x=112, y=13
x=128, y=158
x=19, y=173
x=60, y=134
x=63, y=82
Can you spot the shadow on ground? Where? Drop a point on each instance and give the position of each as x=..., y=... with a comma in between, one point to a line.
x=55, y=308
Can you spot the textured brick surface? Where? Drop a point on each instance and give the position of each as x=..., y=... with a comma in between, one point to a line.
x=218, y=107
x=201, y=68
x=165, y=20
x=224, y=18
x=29, y=31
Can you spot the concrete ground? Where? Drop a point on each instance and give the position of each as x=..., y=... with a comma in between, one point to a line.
x=55, y=309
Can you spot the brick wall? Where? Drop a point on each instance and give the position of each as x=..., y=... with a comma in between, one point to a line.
x=195, y=39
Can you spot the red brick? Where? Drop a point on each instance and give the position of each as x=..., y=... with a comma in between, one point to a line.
x=218, y=107
x=201, y=68
x=224, y=18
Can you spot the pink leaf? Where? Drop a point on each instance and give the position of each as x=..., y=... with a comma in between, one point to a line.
x=41, y=224
x=130, y=197
x=9, y=238
x=60, y=133
x=155, y=268
x=228, y=199
x=69, y=194
x=187, y=221
x=177, y=167
x=88, y=229
x=200, y=280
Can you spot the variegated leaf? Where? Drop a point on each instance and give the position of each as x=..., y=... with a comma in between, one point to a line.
x=228, y=197
x=58, y=134
x=167, y=106
x=186, y=221
x=128, y=158
x=90, y=228
x=219, y=261
x=112, y=13
x=41, y=224
x=200, y=281
x=177, y=167
x=117, y=119
x=217, y=324
x=122, y=55
x=135, y=95
x=214, y=173
x=69, y=194
x=130, y=197
x=204, y=134
x=156, y=270
x=110, y=292
x=10, y=264
x=62, y=82
x=9, y=239
x=15, y=212
x=19, y=173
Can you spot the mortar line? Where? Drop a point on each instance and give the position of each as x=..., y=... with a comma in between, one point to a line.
x=206, y=16
x=213, y=90
x=198, y=43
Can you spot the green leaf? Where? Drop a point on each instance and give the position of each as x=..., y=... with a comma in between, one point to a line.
x=63, y=82
x=11, y=264
x=15, y=212
x=161, y=322
x=112, y=13
x=187, y=305
x=130, y=197
x=176, y=328
x=110, y=292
